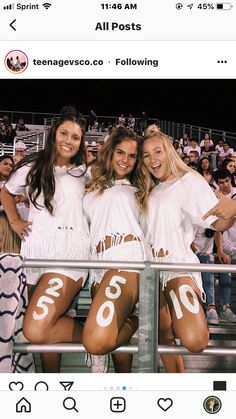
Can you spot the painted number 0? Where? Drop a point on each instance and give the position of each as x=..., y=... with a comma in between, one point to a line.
x=193, y=307
x=102, y=319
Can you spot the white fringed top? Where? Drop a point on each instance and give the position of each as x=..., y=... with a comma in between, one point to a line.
x=67, y=201
x=115, y=213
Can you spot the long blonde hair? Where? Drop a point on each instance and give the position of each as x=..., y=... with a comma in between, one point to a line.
x=175, y=165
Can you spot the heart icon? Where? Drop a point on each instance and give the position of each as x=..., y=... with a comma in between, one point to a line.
x=16, y=385
x=165, y=404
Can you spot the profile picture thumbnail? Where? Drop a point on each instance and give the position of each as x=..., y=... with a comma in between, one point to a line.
x=212, y=404
x=16, y=61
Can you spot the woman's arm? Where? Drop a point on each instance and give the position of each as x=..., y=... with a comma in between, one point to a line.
x=222, y=225
x=20, y=226
x=226, y=209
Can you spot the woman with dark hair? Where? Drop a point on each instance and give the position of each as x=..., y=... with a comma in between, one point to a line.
x=115, y=234
x=174, y=201
x=52, y=180
x=6, y=166
x=205, y=169
x=9, y=240
x=230, y=165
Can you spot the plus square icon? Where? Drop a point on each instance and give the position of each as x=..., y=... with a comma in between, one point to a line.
x=117, y=404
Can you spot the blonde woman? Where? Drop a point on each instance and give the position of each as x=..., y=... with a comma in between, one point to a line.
x=174, y=200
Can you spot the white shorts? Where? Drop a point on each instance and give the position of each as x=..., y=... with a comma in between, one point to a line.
x=166, y=276
x=130, y=251
x=56, y=245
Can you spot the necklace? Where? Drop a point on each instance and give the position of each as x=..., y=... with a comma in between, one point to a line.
x=167, y=183
x=115, y=182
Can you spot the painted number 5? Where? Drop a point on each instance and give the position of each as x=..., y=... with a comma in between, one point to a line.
x=106, y=311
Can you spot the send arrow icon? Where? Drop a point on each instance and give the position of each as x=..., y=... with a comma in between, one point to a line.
x=66, y=384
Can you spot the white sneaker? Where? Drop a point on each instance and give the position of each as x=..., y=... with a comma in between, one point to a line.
x=228, y=315
x=212, y=316
x=97, y=363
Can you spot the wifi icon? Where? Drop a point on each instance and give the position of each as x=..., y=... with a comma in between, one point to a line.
x=46, y=5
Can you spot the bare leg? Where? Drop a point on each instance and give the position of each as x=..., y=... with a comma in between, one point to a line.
x=187, y=313
x=51, y=361
x=45, y=321
x=109, y=323
x=122, y=362
x=172, y=363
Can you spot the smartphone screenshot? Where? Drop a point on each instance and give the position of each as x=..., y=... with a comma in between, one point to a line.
x=118, y=182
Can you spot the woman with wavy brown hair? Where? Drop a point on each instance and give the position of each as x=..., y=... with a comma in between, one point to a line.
x=115, y=234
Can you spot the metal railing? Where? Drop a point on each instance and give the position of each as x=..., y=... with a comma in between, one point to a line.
x=147, y=348
x=173, y=129
x=177, y=129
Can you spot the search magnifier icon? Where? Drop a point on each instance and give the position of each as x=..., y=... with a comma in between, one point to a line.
x=69, y=403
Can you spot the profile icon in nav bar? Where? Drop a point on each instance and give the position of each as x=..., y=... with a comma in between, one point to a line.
x=212, y=404
x=16, y=61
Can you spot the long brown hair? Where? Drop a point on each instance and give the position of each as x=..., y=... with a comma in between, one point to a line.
x=41, y=177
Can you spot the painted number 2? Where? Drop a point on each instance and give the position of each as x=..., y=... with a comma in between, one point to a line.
x=56, y=284
x=106, y=311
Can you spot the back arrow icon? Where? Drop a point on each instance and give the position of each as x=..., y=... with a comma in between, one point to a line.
x=11, y=25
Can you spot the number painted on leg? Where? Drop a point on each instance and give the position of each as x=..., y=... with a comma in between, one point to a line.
x=44, y=300
x=114, y=283
x=193, y=307
x=101, y=319
x=53, y=289
x=176, y=304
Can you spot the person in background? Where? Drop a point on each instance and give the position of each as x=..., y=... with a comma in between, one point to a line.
x=20, y=151
x=20, y=125
x=205, y=169
x=226, y=152
x=185, y=140
x=230, y=164
x=177, y=147
x=203, y=247
x=193, y=156
x=100, y=144
x=193, y=146
x=9, y=240
x=208, y=150
x=10, y=135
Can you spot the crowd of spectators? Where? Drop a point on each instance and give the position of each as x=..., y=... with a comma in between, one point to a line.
x=8, y=130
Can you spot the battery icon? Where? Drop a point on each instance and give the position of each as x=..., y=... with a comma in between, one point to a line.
x=224, y=6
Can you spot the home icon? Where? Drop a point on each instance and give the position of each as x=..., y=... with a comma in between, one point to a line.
x=23, y=406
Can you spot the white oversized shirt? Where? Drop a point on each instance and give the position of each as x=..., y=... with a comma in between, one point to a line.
x=67, y=200
x=115, y=212
x=175, y=211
